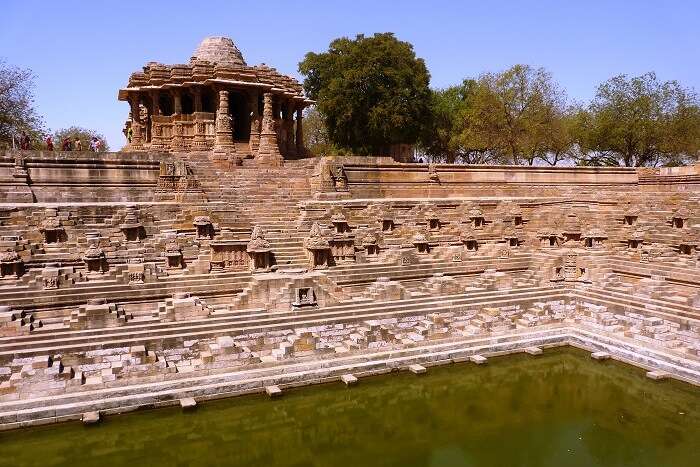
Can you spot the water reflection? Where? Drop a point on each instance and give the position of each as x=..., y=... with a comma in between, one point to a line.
x=558, y=409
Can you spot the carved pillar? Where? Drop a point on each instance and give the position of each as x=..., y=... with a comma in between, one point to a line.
x=224, y=128
x=199, y=142
x=136, y=124
x=290, y=147
x=197, y=94
x=157, y=140
x=301, y=152
x=177, y=141
x=254, y=123
x=268, y=152
x=177, y=101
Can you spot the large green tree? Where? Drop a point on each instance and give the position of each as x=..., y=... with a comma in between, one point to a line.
x=640, y=121
x=513, y=117
x=372, y=91
x=17, y=112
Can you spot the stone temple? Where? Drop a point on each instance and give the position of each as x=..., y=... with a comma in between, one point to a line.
x=209, y=258
x=215, y=102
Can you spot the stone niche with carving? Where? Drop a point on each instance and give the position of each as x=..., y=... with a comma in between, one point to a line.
x=595, y=238
x=173, y=255
x=94, y=259
x=204, y=227
x=318, y=248
x=260, y=251
x=549, y=238
x=421, y=244
x=11, y=265
x=52, y=230
x=132, y=228
x=229, y=253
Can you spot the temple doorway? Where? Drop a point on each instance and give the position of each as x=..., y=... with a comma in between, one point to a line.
x=239, y=111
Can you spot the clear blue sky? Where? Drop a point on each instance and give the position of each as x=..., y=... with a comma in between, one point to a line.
x=83, y=52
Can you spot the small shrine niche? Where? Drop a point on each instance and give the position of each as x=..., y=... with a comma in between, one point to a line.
x=420, y=242
x=630, y=219
x=388, y=225
x=318, y=248
x=594, y=238
x=340, y=223
x=635, y=241
x=687, y=247
x=517, y=215
x=173, y=255
x=549, y=239
x=204, y=226
x=304, y=297
x=131, y=227
x=469, y=240
x=52, y=230
x=432, y=220
x=476, y=218
x=11, y=265
x=511, y=239
x=369, y=243
x=94, y=257
x=680, y=217
x=260, y=252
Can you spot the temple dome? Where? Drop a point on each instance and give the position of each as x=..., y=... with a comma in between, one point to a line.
x=220, y=50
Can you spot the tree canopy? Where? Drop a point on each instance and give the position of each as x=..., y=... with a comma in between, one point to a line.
x=640, y=121
x=511, y=117
x=17, y=112
x=372, y=91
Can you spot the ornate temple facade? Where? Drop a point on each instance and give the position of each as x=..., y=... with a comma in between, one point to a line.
x=216, y=102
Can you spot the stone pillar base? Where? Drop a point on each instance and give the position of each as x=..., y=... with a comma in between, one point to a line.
x=268, y=152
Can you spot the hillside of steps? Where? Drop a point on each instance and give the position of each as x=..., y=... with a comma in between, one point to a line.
x=285, y=185
x=252, y=321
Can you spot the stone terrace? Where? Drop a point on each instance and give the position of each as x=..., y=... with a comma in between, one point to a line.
x=134, y=280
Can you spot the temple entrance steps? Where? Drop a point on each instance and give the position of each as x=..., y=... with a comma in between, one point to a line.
x=240, y=322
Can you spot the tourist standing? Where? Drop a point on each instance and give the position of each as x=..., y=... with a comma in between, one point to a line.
x=93, y=144
x=49, y=143
x=78, y=144
x=129, y=134
x=24, y=141
x=66, y=145
x=98, y=145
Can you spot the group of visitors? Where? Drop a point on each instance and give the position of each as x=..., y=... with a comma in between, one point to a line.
x=24, y=141
x=74, y=145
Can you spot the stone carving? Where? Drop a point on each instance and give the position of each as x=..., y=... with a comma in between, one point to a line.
x=259, y=250
x=94, y=258
x=11, y=265
x=318, y=248
x=204, y=226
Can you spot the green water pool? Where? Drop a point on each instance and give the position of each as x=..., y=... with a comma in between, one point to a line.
x=558, y=409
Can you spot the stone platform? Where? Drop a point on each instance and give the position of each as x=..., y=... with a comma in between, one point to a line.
x=132, y=280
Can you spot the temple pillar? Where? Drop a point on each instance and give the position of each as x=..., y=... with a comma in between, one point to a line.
x=290, y=147
x=137, y=129
x=301, y=152
x=197, y=95
x=268, y=151
x=254, y=139
x=177, y=101
x=157, y=139
x=223, y=144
